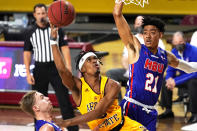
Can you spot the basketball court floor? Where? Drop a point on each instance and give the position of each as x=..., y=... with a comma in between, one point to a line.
x=13, y=119
x=23, y=128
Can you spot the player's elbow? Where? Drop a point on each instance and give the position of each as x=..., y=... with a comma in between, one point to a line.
x=100, y=113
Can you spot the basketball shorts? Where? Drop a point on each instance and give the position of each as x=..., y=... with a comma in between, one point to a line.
x=131, y=125
x=139, y=114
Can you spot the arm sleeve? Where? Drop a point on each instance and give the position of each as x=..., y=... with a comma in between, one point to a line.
x=62, y=42
x=27, y=43
x=183, y=78
x=187, y=67
x=194, y=39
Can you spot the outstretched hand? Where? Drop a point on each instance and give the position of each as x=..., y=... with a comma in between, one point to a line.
x=58, y=121
x=61, y=123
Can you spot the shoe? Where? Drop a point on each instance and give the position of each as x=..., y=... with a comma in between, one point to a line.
x=190, y=127
x=193, y=119
x=179, y=99
x=166, y=114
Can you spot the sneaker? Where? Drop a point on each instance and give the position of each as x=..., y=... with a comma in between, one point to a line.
x=190, y=127
x=193, y=119
x=178, y=100
x=166, y=114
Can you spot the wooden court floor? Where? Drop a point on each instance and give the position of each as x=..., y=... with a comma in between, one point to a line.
x=13, y=119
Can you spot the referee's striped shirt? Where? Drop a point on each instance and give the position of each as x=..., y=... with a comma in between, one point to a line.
x=38, y=40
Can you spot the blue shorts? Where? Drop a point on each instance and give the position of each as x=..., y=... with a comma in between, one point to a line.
x=137, y=113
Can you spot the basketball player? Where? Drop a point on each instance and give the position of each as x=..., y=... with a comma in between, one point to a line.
x=40, y=107
x=94, y=95
x=147, y=66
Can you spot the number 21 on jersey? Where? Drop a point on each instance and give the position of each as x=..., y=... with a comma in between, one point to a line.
x=149, y=83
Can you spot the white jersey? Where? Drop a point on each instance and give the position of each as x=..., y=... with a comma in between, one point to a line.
x=194, y=39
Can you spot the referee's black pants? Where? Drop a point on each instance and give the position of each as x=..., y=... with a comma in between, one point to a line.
x=45, y=73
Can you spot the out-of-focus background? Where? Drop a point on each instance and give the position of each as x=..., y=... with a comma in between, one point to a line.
x=93, y=29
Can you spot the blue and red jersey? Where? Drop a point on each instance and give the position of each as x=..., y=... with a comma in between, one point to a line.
x=146, y=76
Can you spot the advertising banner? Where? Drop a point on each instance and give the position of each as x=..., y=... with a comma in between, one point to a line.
x=12, y=69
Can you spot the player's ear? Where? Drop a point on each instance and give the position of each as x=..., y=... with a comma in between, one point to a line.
x=34, y=14
x=160, y=34
x=35, y=108
x=82, y=70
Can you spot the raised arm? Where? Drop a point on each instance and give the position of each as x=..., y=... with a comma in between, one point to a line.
x=68, y=79
x=111, y=93
x=124, y=30
x=185, y=66
x=66, y=54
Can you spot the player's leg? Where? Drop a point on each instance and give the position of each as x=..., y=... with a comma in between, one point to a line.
x=140, y=115
x=128, y=110
x=192, y=96
x=166, y=102
x=40, y=74
x=149, y=120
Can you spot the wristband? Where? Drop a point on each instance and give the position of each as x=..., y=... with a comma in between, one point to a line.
x=53, y=41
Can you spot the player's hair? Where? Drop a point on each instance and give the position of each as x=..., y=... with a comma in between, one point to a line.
x=78, y=57
x=81, y=54
x=39, y=6
x=179, y=33
x=154, y=21
x=27, y=102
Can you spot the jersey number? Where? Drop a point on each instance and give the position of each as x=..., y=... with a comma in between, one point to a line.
x=149, y=81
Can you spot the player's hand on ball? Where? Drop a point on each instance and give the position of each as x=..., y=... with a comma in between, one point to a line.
x=54, y=32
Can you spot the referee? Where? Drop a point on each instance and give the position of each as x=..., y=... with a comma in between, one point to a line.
x=37, y=41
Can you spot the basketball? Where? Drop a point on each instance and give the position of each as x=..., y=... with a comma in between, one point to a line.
x=61, y=13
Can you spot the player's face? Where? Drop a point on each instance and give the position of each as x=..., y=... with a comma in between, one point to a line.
x=151, y=36
x=92, y=65
x=40, y=14
x=42, y=103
